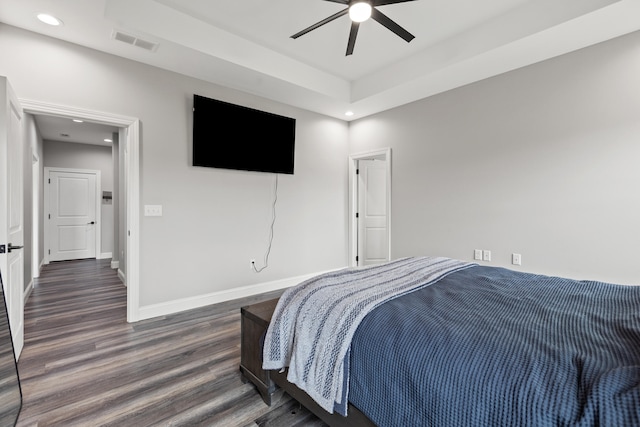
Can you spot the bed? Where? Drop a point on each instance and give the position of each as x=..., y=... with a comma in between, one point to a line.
x=434, y=341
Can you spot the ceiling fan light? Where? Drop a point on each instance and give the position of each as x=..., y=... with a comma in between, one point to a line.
x=360, y=11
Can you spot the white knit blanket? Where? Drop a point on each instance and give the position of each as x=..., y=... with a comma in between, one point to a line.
x=314, y=322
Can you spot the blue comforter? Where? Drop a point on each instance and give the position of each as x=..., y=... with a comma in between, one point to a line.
x=487, y=346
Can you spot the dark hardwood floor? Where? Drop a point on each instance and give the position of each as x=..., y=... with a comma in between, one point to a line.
x=84, y=365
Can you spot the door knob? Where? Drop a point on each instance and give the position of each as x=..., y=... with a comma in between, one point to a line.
x=10, y=247
x=91, y=223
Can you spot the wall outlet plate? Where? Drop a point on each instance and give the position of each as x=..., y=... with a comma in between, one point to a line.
x=477, y=254
x=152, y=210
x=516, y=259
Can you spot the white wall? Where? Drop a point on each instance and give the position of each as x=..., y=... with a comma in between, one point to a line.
x=58, y=154
x=542, y=161
x=214, y=221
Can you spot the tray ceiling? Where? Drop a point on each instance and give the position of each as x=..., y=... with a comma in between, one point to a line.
x=246, y=45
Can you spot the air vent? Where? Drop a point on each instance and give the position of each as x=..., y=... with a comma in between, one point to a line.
x=134, y=40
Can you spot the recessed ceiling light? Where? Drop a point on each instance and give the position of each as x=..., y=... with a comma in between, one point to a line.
x=349, y=113
x=108, y=140
x=49, y=19
x=78, y=121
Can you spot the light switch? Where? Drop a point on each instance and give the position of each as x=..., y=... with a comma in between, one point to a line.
x=486, y=255
x=477, y=254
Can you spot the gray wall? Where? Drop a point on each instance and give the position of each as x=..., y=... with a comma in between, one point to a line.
x=542, y=161
x=85, y=156
x=214, y=221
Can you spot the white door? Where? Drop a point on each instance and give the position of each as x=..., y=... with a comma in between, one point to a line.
x=373, y=242
x=11, y=211
x=72, y=215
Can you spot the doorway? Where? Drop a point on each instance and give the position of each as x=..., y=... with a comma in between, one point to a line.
x=370, y=207
x=131, y=177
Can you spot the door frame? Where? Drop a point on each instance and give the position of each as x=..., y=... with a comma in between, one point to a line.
x=35, y=216
x=131, y=174
x=47, y=194
x=381, y=154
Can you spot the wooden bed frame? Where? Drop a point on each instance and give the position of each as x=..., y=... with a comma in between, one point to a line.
x=254, y=324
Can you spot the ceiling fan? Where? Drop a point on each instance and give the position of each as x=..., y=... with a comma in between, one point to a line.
x=359, y=11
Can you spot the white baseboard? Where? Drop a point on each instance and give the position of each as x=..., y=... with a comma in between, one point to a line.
x=27, y=292
x=171, y=307
x=105, y=255
x=115, y=264
x=122, y=277
x=39, y=269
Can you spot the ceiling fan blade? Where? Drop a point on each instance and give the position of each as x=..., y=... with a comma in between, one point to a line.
x=352, y=37
x=321, y=23
x=391, y=25
x=343, y=1
x=375, y=3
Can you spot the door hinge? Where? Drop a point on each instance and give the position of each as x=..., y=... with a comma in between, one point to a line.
x=357, y=259
x=49, y=180
x=357, y=215
x=357, y=171
x=49, y=216
x=3, y=249
x=49, y=251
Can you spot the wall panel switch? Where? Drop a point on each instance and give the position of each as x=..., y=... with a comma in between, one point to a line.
x=486, y=255
x=516, y=259
x=477, y=254
x=152, y=210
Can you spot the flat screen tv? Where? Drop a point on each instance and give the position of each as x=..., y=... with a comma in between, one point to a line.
x=231, y=136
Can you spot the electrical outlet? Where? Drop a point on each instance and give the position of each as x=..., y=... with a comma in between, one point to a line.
x=252, y=264
x=477, y=254
x=516, y=259
x=152, y=210
x=486, y=255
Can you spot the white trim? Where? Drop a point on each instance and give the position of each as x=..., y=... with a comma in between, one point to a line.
x=115, y=264
x=27, y=292
x=36, y=182
x=383, y=154
x=132, y=178
x=123, y=278
x=97, y=228
x=105, y=255
x=176, y=306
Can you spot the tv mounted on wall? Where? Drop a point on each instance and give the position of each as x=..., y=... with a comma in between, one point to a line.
x=230, y=136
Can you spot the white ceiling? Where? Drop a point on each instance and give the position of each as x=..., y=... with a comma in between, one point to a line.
x=66, y=130
x=246, y=44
